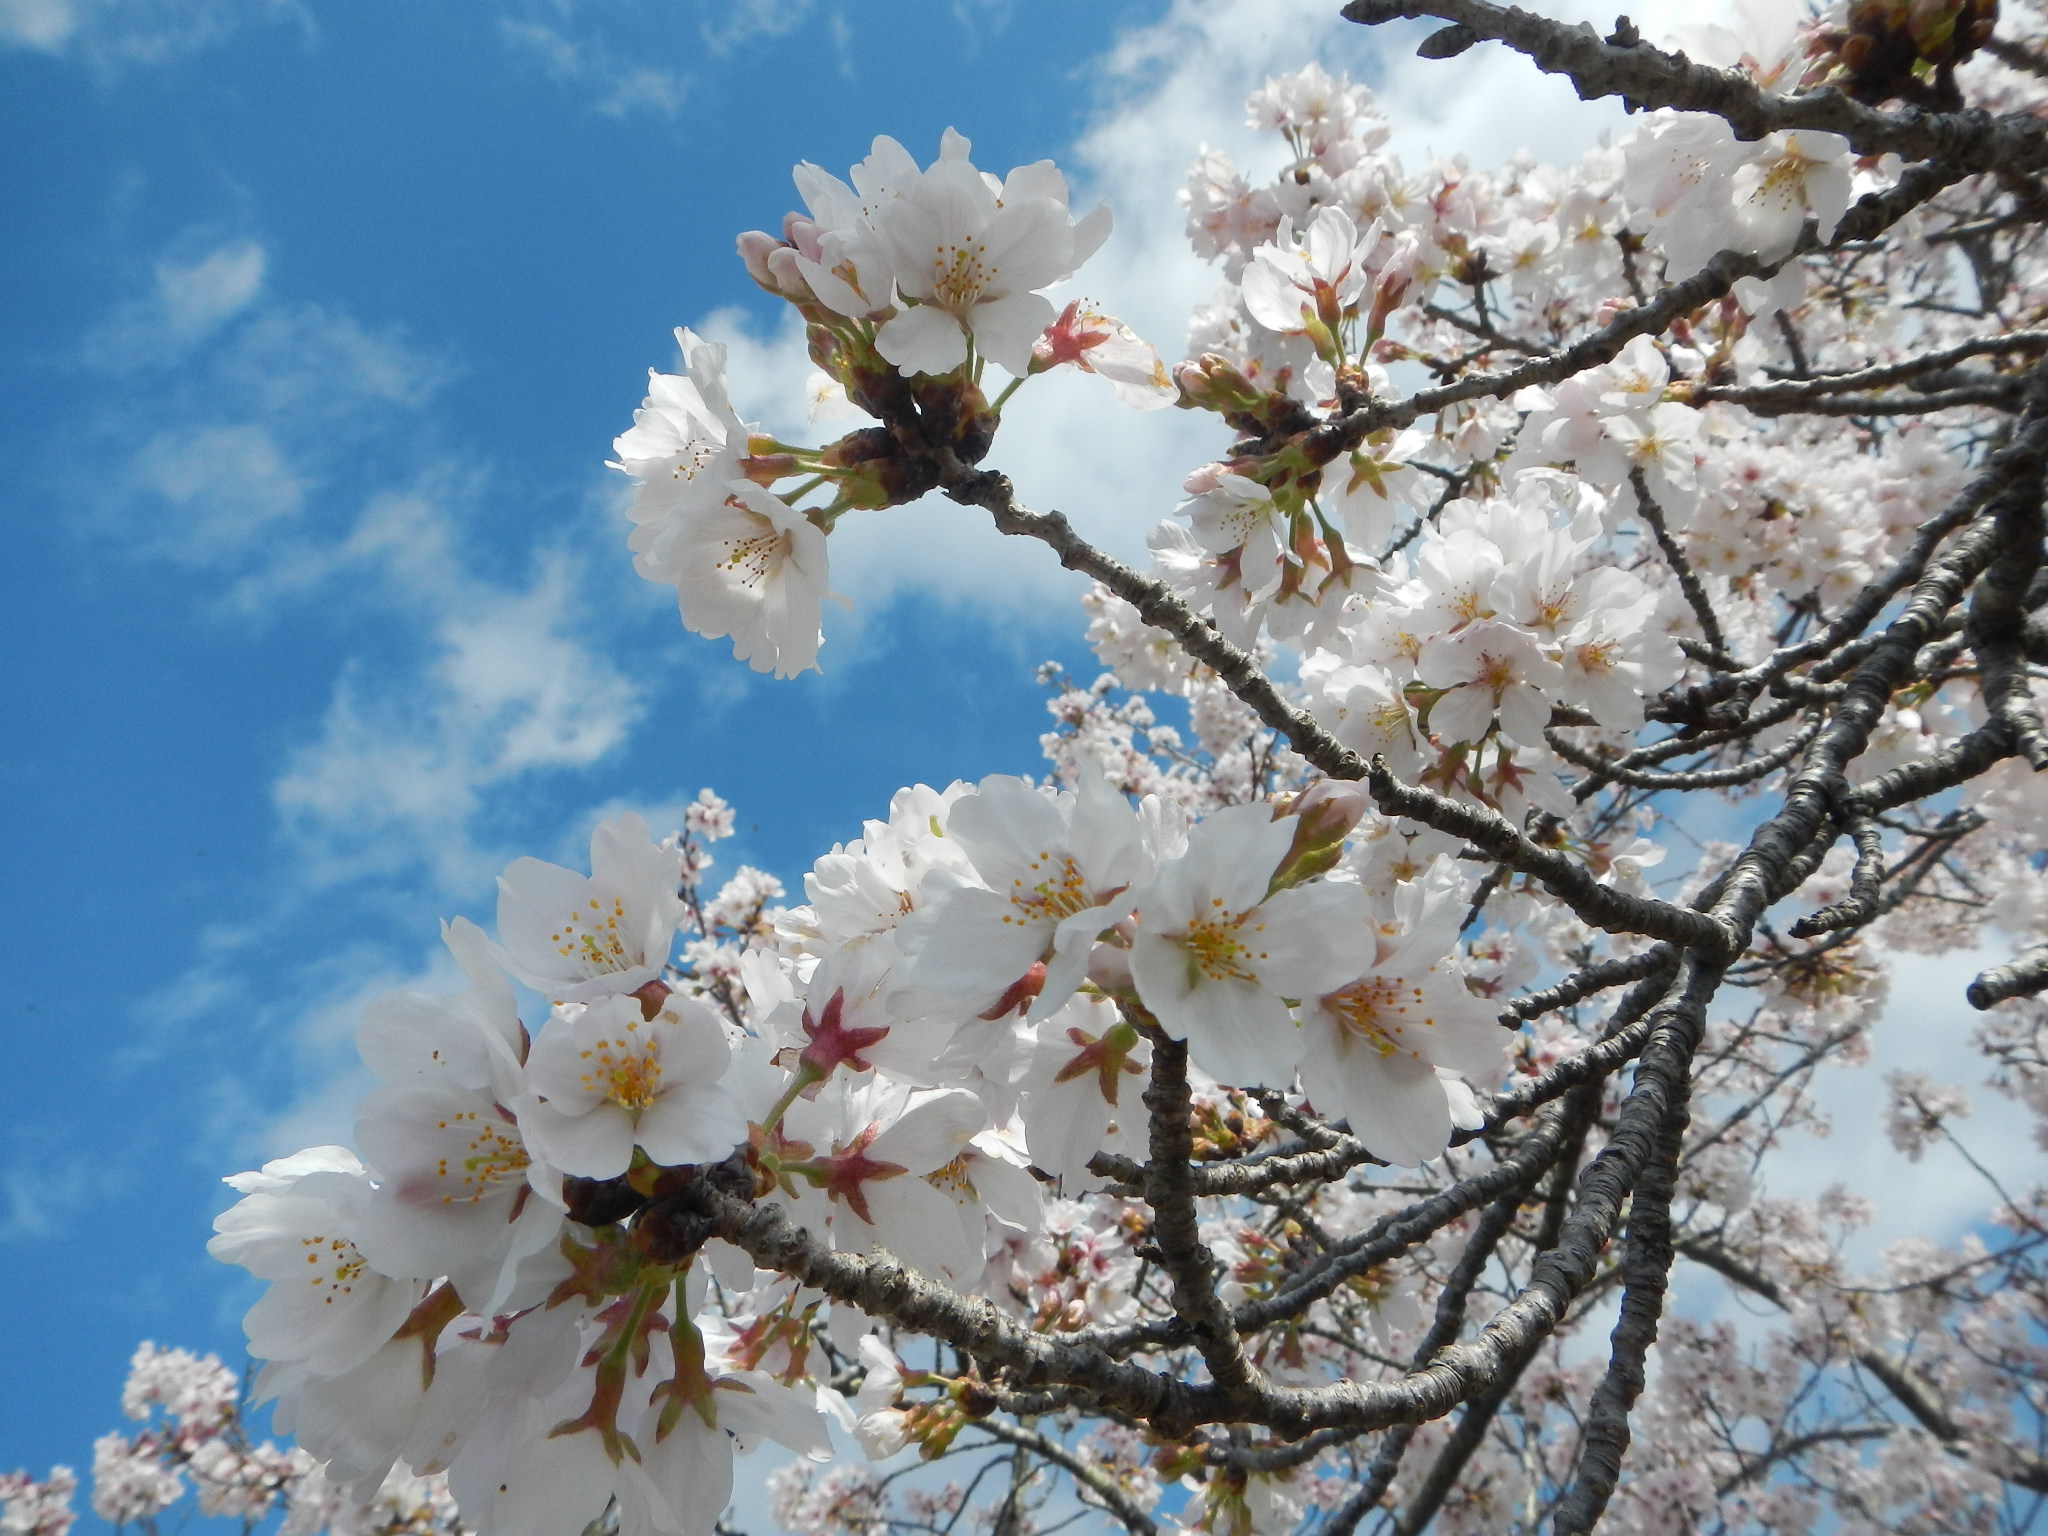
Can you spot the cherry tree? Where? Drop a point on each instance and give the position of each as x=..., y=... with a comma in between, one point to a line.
x=1345, y=1092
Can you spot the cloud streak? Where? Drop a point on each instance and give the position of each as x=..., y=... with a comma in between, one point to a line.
x=117, y=36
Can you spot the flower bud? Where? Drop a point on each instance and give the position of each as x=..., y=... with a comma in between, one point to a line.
x=755, y=247
x=788, y=276
x=1324, y=815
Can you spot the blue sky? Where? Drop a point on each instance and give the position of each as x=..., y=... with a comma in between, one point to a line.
x=320, y=319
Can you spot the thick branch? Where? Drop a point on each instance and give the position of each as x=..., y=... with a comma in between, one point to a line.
x=2021, y=977
x=1646, y=1272
x=1644, y=76
x=1176, y=1228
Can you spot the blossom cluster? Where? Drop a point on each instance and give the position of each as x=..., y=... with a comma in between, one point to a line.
x=194, y=1438
x=946, y=1023
x=1094, y=1079
x=909, y=281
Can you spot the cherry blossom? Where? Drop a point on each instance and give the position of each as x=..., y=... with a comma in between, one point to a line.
x=969, y=253
x=577, y=937
x=1215, y=955
x=1054, y=868
x=296, y=1227
x=618, y=1073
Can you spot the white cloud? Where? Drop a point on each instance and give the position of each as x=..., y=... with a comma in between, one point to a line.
x=192, y=297
x=741, y=21
x=286, y=456
x=114, y=35
x=402, y=769
x=234, y=479
x=622, y=85
x=232, y=423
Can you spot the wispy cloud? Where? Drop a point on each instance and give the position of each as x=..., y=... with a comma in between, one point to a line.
x=635, y=56
x=620, y=85
x=397, y=779
x=284, y=461
x=284, y=454
x=196, y=291
x=732, y=22
x=233, y=422
x=117, y=35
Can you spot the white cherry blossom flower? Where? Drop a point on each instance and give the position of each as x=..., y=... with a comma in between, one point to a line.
x=1489, y=669
x=606, y=1077
x=972, y=255
x=578, y=937
x=295, y=1227
x=1386, y=1049
x=888, y=1151
x=1789, y=176
x=454, y=1196
x=1053, y=867
x=868, y=886
x=1364, y=708
x=1215, y=957
x=355, y=1423
x=684, y=450
x=1316, y=276
x=685, y=441
x=1086, y=1077
x=1367, y=488
x=752, y=567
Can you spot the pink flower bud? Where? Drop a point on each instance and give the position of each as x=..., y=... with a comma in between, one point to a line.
x=786, y=277
x=755, y=246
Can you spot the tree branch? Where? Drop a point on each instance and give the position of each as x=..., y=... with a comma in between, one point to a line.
x=1644, y=76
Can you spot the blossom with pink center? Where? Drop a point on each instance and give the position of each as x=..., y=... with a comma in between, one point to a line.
x=888, y=1151
x=1488, y=670
x=1095, y=343
x=1316, y=277
x=1082, y=1093
x=753, y=568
